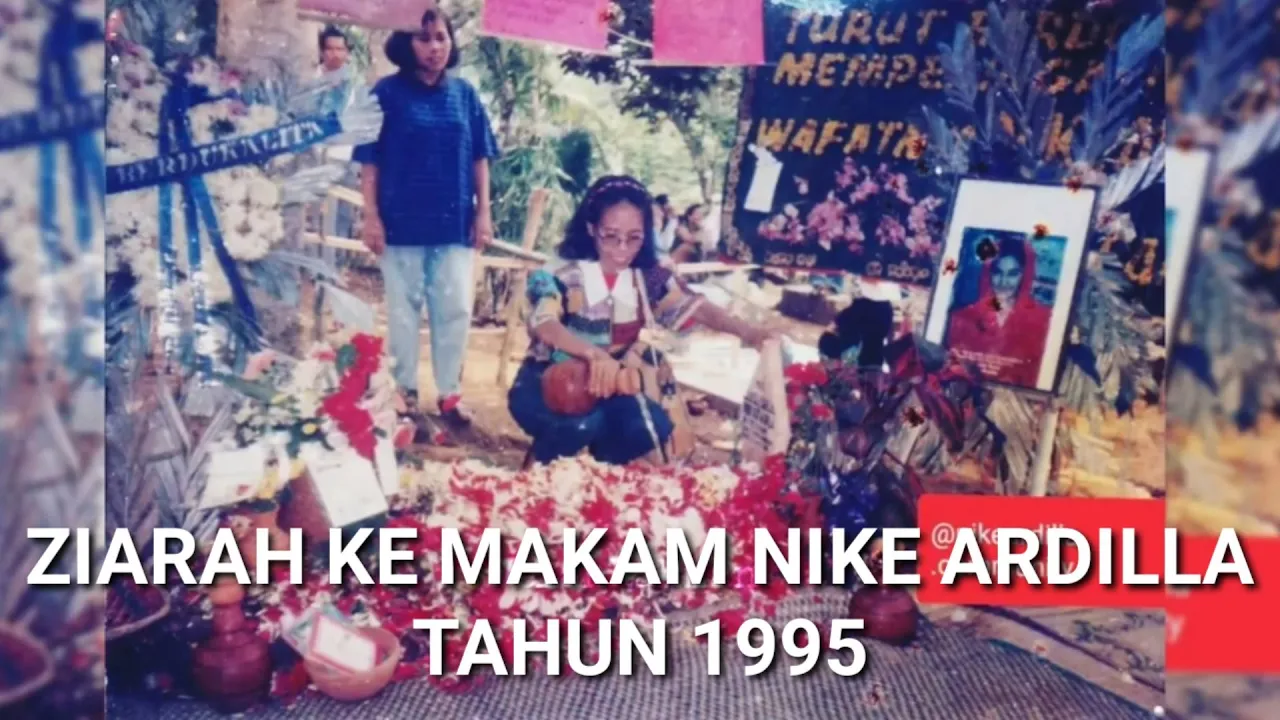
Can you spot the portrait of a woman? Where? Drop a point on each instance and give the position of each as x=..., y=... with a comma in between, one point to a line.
x=1005, y=330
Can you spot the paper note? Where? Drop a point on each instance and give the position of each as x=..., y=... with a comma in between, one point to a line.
x=233, y=476
x=764, y=181
x=384, y=455
x=708, y=32
x=343, y=646
x=765, y=423
x=716, y=366
x=571, y=23
x=346, y=484
x=298, y=632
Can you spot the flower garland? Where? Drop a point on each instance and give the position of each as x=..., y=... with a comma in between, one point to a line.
x=345, y=406
x=25, y=26
x=248, y=201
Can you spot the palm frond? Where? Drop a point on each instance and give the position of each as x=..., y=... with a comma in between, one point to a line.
x=1107, y=363
x=1233, y=40
x=1118, y=89
x=1132, y=179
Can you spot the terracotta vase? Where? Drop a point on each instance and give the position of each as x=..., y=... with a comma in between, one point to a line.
x=269, y=520
x=888, y=613
x=232, y=668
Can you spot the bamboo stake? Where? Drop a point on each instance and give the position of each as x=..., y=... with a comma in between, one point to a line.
x=532, y=224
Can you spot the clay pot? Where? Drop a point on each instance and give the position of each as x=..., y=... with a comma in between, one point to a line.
x=268, y=518
x=232, y=669
x=888, y=613
x=566, y=388
x=354, y=687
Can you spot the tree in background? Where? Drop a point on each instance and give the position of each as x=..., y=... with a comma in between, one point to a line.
x=700, y=103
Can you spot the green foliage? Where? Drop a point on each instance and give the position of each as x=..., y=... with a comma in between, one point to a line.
x=576, y=152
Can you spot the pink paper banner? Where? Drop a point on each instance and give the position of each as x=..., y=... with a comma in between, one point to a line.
x=578, y=24
x=383, y=14
x=708, y=32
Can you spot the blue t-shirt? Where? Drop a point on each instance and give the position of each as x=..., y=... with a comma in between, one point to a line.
x=431, y=137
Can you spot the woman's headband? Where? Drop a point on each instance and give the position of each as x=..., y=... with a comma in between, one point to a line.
x=616, y=183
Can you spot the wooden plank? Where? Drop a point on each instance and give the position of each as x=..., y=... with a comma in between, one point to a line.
x=695, y=268
x=346, y=195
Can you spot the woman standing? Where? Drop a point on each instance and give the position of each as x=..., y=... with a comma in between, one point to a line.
x=426, y=191
x=592, y=307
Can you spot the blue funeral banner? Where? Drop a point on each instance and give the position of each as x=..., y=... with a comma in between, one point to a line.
x=838, y=163
x=245, y=150
x=47, y=124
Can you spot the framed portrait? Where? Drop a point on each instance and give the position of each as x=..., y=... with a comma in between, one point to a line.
x=1008, y=275
x=1186, y=179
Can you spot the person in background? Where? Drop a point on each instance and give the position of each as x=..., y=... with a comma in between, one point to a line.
x=591, y=307
x=335, y=69
x=334, y=49
x=426, y=189
x=688, y=244
x=337, y=75
x=664, y=225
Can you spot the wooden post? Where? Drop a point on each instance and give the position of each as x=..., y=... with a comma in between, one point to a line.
x=532, y=224
x=1042, y=468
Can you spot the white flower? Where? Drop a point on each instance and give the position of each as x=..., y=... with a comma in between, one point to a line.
x=261, y=117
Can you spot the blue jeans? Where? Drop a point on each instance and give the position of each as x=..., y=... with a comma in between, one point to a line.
x=440, y=275
x=614, y=431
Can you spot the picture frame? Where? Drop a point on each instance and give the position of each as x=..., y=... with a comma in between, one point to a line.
x=1187, y=174
x=984, y=306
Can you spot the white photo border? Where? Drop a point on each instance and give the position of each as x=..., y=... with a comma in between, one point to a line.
x=1187, y=174
x=1019, y=207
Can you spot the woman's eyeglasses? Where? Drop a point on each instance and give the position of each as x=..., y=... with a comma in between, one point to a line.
x=617, y=241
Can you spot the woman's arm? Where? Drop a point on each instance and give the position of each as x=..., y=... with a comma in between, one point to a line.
x=555, y=334
x=710, y=315
x=481, y=170
x=484, y=207
x=373, y=231
x=369, y=189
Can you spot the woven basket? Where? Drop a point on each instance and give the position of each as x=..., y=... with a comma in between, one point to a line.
x=28, y=659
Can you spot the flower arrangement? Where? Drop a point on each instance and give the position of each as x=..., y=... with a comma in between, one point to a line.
x=248, y=201
x=343, y=397
x=905, y=221
x=848, y=427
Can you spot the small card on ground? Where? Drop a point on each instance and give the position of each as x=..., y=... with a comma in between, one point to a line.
x=234, y=476
x=342, y=646
x=347, y=485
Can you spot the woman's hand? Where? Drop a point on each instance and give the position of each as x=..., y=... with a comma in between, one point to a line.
x=629, y=382
x=373, y=234
x=482, y=232
x=603, y=381
x=756, y=337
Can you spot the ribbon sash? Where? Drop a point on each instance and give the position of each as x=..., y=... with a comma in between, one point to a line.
x=191, y=162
